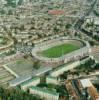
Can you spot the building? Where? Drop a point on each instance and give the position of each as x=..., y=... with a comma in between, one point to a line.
x=44, y=93
x=83, y=88
x=52, y=80
x=91, y=90
x=32, y=82
x=19, y=80
x=72, y=92
x=41, y=71
x=86, y=83
x=93, y=93
x=60, y=70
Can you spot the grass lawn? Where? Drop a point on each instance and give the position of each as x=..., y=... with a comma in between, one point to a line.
x=59, y=50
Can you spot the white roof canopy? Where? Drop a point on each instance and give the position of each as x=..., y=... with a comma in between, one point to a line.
x=86, y=83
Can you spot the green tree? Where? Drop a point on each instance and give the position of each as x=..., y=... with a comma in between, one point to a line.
x=11, y=3
x=16, y=94
x=92, y=43
x=68, y=26
x=36, y=65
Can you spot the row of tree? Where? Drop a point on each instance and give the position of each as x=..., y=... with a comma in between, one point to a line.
x=96, y=12
x=16, y=94
x=11, y=3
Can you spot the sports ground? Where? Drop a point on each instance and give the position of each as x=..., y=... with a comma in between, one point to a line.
x=59, y=50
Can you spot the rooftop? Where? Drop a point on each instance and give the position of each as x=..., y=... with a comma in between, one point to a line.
x=86, y=83
x=44, y=90
x=29, y=81
x=41, y=70
x=19, y=80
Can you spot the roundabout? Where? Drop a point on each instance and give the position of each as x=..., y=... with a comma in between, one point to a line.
x=61, y=49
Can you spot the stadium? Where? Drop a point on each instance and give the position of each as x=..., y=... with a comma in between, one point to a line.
x=61, y=49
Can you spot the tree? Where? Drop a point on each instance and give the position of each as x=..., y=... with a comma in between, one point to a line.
x=92, y=43
x=56, y=29
x=16, y=94
x=11, y=3
x=10, y=12
x=68, y=26
x=2, y=11
x=36, y=65
x=61, y=89
x=96, y=12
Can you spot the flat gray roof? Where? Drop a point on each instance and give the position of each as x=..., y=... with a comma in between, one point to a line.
x=41, y=71
x=19, y=80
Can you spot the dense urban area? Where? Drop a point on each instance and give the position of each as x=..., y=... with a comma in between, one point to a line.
x=49, y=49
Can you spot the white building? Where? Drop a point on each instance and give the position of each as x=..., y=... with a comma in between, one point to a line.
x=62, y=69
x=44, y=93
x=52, y=80
x=86, y=83
x=29, y=83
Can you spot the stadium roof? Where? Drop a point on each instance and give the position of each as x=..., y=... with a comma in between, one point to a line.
x=51, y=77
x=19, y=80
x=61, y=67
x=29, y=81
x=41, y=71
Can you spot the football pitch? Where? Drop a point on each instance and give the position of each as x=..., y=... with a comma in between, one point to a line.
x=59, y=50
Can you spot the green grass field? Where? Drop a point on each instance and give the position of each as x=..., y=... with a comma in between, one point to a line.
x=59, y=50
